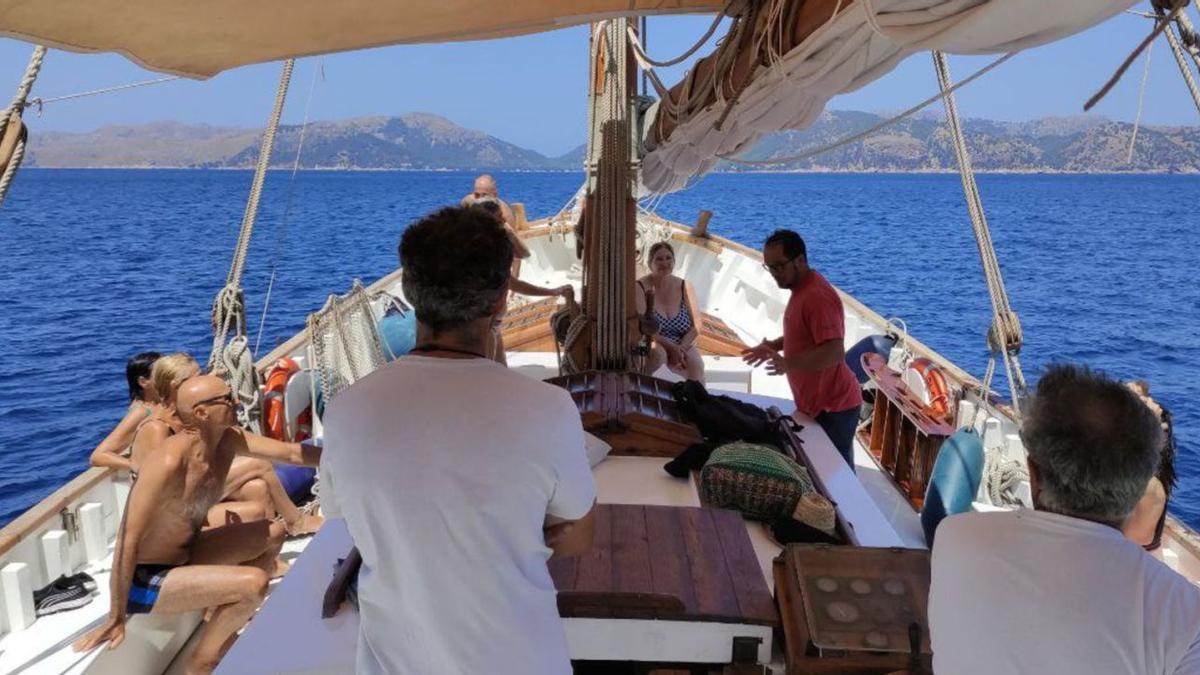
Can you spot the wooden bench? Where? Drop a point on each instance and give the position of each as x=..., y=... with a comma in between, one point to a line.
x=665, y=584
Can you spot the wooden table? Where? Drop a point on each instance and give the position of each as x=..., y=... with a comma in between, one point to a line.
x=701, y=557
x=665, y=583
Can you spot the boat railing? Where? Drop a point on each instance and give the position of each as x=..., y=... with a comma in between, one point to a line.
x=64, y=498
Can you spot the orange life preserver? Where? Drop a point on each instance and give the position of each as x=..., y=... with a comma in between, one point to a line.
x=935, y=381
x=274, y=418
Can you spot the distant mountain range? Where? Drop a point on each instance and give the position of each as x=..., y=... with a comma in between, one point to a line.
x=422, y=141
x=922, y=143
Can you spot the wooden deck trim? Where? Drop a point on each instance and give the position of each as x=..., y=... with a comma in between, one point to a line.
x=1183, y=535
x=26, y=523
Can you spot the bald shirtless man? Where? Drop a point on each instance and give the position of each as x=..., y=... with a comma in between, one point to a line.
x=485, y=190
x=163, y=562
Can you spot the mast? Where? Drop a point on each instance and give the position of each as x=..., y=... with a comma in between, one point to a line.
x=609, y=220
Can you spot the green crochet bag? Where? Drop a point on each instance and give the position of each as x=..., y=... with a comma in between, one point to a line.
x=757, y=480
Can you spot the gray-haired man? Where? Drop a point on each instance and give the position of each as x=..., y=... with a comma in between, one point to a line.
x=1059, y=589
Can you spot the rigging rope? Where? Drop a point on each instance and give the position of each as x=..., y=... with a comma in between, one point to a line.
x=1004, y=336
x=640, y=51
x=13, y=135
x=1159, y=27
x=610, y=159
x=1137, y=120
x=1187, y=32
x=287, y=209
x=882, y=125
x=644, y=63
x=229, y=307
x=38, y=102
x=1184, y=69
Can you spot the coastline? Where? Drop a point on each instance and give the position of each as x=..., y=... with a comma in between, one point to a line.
x=814, y=171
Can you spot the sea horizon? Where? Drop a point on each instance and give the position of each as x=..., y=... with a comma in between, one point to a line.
x=102, y=263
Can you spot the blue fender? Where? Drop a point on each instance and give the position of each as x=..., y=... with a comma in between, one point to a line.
x=879, y=344
x=954, y=483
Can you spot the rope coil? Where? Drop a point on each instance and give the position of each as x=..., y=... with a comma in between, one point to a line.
x=1002, y=477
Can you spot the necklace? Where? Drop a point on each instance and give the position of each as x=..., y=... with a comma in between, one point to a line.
x=451, y=350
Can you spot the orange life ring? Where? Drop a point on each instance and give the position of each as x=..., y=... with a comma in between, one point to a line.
x=273, y=415
x=939, y=387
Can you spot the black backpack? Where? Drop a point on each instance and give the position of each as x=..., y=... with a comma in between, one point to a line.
x=722, y=419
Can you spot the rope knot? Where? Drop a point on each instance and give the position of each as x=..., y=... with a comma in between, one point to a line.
x=1005, y=336
x=229, y=303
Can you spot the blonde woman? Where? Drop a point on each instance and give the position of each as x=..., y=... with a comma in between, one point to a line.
x=673, y=301
x=252, y=490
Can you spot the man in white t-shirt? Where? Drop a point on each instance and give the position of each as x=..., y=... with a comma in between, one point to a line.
x=457, y=478
x=1059, y=589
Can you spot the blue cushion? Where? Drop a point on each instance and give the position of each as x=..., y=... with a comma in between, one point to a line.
x=954, y=482
x=879, y=344
x=297, y=480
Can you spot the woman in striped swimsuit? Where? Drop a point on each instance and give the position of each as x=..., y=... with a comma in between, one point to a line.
x=673, y=301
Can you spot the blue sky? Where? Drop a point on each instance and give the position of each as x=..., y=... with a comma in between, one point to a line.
x=530, y=90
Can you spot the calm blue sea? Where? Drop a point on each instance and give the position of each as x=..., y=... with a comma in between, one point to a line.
x=96, y=265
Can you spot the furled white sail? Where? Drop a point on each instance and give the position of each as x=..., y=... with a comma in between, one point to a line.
x=772, y=91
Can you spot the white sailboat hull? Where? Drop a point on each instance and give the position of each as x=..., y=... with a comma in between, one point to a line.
x=731, y=286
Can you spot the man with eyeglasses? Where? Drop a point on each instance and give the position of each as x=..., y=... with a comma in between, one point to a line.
x=162, y=562
x=812, y=350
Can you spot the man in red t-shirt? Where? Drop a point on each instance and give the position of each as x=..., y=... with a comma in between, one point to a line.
x=813, y=349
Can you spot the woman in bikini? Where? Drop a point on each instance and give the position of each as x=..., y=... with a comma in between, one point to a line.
x=673, y=301
x=252, y=490
x=143, y=404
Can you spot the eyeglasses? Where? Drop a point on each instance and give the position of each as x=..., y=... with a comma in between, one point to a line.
x=226, y=398
x=776, y=268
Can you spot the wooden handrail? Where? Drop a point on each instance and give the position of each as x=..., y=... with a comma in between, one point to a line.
x=25, y=524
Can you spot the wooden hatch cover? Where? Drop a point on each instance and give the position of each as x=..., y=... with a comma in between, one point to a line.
x=850, y=609
x=666, y=562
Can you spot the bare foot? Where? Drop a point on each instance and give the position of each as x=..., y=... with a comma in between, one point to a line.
x=307, y=523
x=281, y=568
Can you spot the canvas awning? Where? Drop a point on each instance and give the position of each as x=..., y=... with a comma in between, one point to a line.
x=202, y=38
